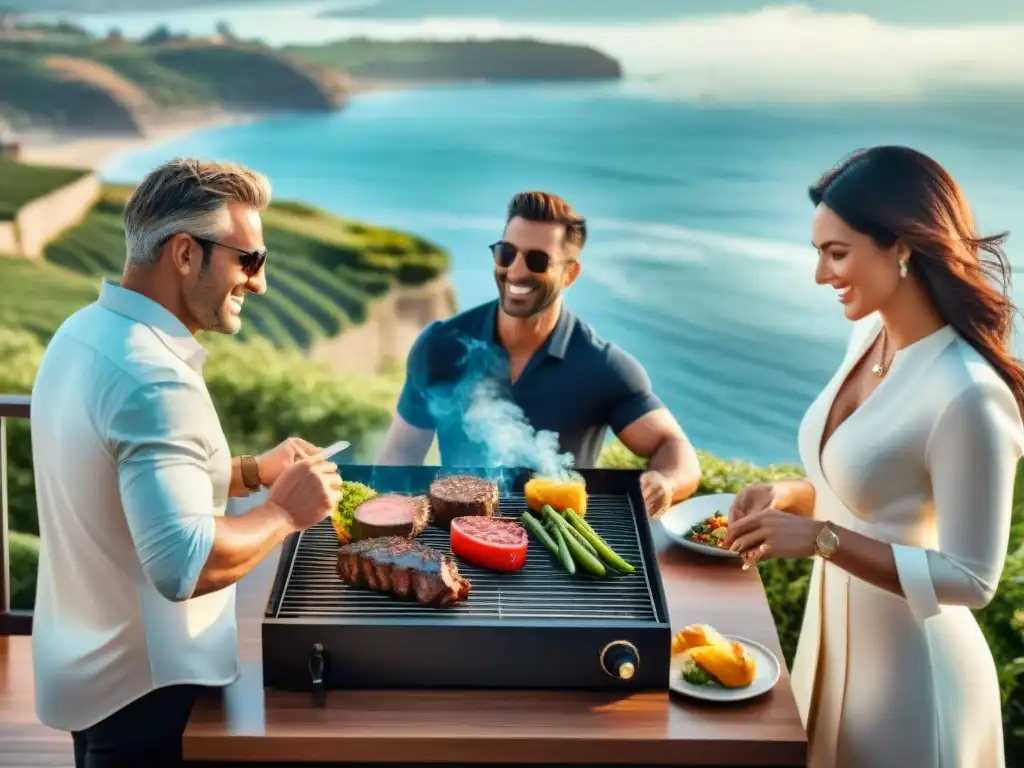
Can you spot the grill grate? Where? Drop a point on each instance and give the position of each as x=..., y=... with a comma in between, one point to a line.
x=541, y=590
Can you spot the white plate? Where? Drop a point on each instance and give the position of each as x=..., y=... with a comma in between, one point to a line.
x=686, y=514
x=768, y=672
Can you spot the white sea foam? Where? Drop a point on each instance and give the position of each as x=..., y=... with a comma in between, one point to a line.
x=657, y=241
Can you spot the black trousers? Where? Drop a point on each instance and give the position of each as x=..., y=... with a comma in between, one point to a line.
x=144, y=734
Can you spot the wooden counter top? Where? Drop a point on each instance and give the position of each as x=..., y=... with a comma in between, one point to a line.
x=247, y=724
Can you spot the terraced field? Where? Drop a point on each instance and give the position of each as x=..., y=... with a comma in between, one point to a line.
x=38, y=297
x=21, y=183
x=323, y=272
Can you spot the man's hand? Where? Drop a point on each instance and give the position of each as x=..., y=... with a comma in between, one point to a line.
x=308, y=491
x=275, y=461
x=657, y=492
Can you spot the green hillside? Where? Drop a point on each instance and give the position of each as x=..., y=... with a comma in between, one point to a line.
x=73, y=81
x=61, y=76
x=492, y=60
x=323, y=272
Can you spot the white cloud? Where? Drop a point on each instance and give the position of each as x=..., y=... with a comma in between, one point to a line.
x=779, y=53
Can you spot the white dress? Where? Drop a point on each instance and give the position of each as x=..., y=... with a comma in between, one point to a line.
x=926, y=463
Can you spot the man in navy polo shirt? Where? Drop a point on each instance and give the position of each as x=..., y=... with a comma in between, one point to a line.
x=522, y=381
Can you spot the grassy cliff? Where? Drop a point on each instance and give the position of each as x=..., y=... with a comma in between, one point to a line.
x=71, y=81
x=490, y=60
x=59, y=76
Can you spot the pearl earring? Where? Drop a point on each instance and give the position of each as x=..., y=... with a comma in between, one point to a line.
x=903, y=268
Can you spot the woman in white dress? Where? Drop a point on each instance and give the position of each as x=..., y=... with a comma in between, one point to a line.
x=910, y=454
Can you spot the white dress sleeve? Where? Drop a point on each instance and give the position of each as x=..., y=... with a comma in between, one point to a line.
x=971, y=457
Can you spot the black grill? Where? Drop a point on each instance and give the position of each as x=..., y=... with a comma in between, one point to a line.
x=537, y=628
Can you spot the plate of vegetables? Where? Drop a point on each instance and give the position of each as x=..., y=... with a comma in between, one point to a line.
x=700, y=523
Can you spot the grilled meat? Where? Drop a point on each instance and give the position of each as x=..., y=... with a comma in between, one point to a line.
x=390, y=515
x=404, y=568
x=458, y=495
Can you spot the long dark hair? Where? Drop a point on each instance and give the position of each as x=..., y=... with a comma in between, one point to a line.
x=895, y=193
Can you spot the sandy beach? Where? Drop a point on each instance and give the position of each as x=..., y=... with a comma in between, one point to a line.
x=91, y=150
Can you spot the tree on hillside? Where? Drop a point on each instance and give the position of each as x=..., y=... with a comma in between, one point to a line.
x=225, y=31
x=161, y=34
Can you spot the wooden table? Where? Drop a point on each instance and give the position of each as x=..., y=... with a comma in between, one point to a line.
x=248, y=725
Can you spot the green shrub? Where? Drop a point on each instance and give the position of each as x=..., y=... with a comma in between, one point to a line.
x=24, y=549
x=786, y=581
x=263, y=395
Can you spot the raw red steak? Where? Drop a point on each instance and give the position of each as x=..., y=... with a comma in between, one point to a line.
x=489, y=542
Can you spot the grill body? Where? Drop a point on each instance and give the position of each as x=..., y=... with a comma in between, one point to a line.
x=536, y=628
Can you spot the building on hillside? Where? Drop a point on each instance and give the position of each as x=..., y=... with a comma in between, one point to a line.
x=9, y=144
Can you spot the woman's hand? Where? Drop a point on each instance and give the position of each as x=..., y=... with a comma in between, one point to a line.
x=771, y=533
x=753, y=500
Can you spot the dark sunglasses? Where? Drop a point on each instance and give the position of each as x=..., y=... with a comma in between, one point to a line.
x=505, y=255
x=252, y=261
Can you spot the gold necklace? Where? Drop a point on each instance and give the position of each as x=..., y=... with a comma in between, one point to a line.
x=880, y=368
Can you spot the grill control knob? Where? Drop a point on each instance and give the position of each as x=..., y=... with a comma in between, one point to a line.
x=620, y=659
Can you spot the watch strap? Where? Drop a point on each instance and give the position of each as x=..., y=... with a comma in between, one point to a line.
x=250, y=473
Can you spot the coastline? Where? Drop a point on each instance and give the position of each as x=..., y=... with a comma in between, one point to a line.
x=83, y=149
x=90, y=150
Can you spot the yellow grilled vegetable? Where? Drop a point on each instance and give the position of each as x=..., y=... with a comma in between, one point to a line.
x=696, y=635
x=560, y=494
x=731, y=665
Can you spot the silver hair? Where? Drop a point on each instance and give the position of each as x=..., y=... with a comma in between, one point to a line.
x=186, y=195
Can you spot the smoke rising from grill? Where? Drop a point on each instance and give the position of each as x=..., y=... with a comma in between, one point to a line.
x=491, y=419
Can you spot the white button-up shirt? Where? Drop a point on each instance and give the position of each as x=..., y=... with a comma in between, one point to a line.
x=131, y=468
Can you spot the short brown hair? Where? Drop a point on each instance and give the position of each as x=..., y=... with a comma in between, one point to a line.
x=544, y=206
x=186, y=195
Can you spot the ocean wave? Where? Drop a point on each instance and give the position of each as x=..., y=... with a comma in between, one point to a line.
x=655, y=239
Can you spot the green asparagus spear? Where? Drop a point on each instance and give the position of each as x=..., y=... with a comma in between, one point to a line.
x=608, y=554
x=586, y=560
x=533, y=526
x=563, y=552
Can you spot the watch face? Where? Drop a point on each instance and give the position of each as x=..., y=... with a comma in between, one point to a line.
x=828, y=541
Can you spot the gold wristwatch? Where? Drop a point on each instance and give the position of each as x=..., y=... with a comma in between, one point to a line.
x=827, y=541
x=250, y=474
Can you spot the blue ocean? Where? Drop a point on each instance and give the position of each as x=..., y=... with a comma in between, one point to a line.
x=699, y=262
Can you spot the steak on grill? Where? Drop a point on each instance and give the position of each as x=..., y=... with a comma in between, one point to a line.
x=404, y=568
x=390, y=515
x=460, y=495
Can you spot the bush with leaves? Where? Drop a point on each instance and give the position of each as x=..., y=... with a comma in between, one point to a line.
x=262, y=394
x=786, y=582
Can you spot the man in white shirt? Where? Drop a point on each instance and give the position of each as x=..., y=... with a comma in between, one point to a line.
x=135, y=603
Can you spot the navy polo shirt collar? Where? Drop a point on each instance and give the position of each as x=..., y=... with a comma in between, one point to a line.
x=557, y=343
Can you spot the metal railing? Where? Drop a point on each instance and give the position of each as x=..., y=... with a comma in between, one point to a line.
x=11, y=622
